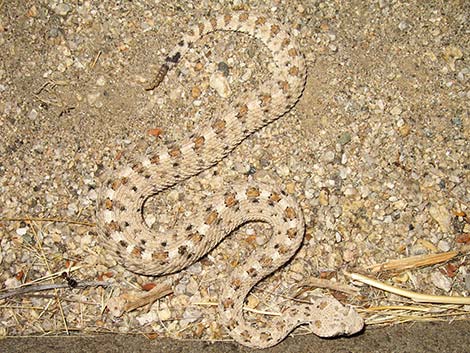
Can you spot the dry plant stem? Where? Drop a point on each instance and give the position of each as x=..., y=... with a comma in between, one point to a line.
x=51, y=219
x=413, y=262
x=46, y=262
x=324, y=283
x=417, y=297
x=153, y=295
x=43, y=287
x=50, y=276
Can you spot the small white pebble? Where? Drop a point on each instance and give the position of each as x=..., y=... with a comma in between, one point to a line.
x=220, y=84
x=21, y=231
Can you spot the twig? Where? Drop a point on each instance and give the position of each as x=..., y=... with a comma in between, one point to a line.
x=127, y=302
x=417, y=297
x=413, y=262
x=52, y=275
x=96, y=59
x=57, y=220
x=43, y=287
x=324, y=283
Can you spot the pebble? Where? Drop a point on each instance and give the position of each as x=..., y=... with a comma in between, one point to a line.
x=442, y=216
x=404, y=130
x=444, y=246
x=441, y=281
x=344, y=138
x=220, y=84
x=190, y=315
x=451, y=54
x=396, y=110
x=33, y=114
x=173, y=196
x=196, y=92
x=403, y=25
x=147, y=318
x=150, y=220
x=101, y=81
x=93, y=99
x=164, y=314
x=283, y=170
x=22, y=231
x=252, y=301
x=223, y=68
x=329, y=156
x=246, y=76
x=62, y=9
x=324, y=197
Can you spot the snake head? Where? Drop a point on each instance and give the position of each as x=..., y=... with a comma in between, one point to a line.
x=334, y=319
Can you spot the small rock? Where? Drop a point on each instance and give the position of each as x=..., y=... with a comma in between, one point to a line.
x=344, y=138
x=344, y=172
x=220, y=84
x=349, y=191
x=252, y=301
x=21, y=231
x=402, y=26
x=324, y=197
x=404, y=130
x=246, y=75
x=92, y=98
x=451, y=54
x=290, y=188
x=164, y=314
x=12, y=282
x=329, y=156
x=191, y=314
x=396, y=110
x=441, y=281
x=195, y=268
x=150, y=220
x=33, y=114
x=198, y=67
x=283, y=170
x=383, y=3
x=440, y=214
x=443, y=245
x=308, y=194
x=195, y=92
x=62, y=9
x=147, y=318
x=173, y=196
x=338, y=237
x=349, y=255
x=466, y=228
x=223, y=67
x=72, y=209
x=101, y=81
x=92, y=195
x=242, y=167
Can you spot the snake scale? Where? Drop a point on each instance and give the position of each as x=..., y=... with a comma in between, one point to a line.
x=125, y=190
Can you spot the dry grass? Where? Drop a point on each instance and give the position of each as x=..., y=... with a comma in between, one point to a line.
x=381, y=305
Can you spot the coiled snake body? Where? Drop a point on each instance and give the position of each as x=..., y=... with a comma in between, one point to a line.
x=124, y=192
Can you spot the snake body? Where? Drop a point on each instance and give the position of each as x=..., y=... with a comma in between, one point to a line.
x=124, y=192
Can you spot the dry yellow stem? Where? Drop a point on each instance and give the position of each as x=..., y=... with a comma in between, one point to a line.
x=413, y=262
x=417, y=297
